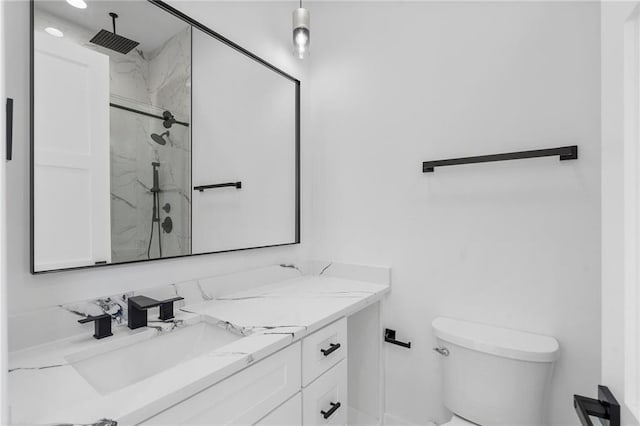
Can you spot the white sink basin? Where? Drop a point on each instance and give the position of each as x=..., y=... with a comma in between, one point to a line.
x=132, y=359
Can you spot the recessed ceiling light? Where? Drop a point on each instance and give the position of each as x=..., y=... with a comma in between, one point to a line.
x=54, y=32
x=80, y=4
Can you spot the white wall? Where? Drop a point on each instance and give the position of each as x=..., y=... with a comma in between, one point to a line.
x=261, y=28
x=613, y=16
x=515, y=244
x=227, y=149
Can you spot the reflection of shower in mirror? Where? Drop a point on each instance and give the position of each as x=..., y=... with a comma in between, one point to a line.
x=142, y=82
x=155, y=214
x=113, y=41
x=159, y=138
x=169, y=119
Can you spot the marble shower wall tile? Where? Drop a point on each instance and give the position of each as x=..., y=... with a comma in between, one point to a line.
x=126, y=202
x=170, y=75
x=170, y=89
x=161, y=82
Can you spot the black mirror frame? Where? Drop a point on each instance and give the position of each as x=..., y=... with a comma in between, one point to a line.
x=194, y=24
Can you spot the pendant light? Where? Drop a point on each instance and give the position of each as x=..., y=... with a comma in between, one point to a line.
x=301, y=32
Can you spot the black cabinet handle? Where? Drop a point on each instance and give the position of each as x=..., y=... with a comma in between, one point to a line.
x=332, y=348
x=9, y=128
x=333, y=409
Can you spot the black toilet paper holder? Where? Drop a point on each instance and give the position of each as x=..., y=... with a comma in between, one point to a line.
x=390, y=337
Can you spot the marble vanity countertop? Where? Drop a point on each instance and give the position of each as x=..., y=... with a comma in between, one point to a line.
x=45, y=387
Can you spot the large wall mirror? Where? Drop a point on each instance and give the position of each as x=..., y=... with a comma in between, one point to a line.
x=154, y=137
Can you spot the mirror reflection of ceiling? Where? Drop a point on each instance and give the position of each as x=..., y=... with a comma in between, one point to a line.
x=150, y=26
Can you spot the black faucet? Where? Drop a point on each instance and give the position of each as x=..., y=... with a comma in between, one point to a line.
x=102, y=325
x=138, y=306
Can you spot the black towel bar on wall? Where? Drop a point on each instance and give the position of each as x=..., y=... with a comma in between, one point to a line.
x=564, y=152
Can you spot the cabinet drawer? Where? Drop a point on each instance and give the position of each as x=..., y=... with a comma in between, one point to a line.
x=241, y=399
x=323, y=349
x=288, y=414
x=324, y=402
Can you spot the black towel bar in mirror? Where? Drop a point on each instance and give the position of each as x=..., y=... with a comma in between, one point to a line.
x=564, y=152
x=201, y=188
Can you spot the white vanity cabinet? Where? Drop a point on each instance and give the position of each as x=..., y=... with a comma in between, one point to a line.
x=307, y=383
x=324, y=402
x=323, y=349
x=288, y=414
x=324, y=375
x=323, y=396
x=241, y=399
x=323, y=365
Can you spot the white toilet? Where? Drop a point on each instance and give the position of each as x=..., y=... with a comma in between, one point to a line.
x=494, y=376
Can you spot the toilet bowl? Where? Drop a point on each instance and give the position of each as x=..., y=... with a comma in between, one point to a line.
x=492, y=375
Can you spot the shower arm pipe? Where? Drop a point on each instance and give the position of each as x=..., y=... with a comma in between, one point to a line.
x=113, y=19
x=159, y=117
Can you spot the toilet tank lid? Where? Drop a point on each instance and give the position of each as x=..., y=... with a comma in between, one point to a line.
x=498, y=341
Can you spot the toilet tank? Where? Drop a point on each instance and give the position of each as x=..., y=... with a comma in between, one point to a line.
x=492, y=375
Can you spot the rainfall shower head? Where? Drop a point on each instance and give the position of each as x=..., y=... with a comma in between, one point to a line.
x=159, y=139
x=113, y=41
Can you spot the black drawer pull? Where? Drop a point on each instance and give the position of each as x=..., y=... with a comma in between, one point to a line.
x=9, y=128
x=334, y=407
x=332, y=348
